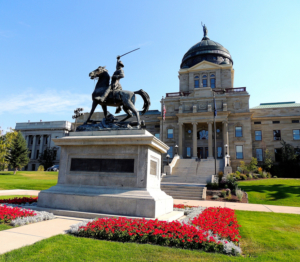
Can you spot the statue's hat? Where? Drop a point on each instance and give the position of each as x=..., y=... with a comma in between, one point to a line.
x=120, y=63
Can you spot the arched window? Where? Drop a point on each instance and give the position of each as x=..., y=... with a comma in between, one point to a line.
x=196, y=82
x=212, y=81
x=203, y=135
x=204, y=81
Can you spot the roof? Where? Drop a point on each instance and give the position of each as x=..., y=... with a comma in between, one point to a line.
x=277, y=105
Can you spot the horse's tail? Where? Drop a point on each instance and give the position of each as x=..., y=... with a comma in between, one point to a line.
x=146, y=99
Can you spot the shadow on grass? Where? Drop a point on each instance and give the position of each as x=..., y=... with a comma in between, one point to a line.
x=7, y=173
x=276, y=192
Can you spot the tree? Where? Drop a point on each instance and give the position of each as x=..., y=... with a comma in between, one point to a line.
x=17, y=153
x=268, y=160
x=252, y=167
x=243, y=167
x=288, y=154
x=5, y=143
x=47, y=157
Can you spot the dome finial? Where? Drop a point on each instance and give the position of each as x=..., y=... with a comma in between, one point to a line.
x=204, y=30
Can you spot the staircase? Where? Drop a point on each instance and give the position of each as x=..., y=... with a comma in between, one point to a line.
x=185, y=191
x=189, y=178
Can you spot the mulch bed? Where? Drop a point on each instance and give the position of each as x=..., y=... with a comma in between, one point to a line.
x=210, y=193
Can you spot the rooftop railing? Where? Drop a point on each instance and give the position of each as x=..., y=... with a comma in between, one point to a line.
x=227, y=90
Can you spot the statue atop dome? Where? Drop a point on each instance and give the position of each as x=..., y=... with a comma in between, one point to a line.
x=204, y=30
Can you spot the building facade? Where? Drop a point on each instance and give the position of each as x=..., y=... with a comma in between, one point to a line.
x=39, y=136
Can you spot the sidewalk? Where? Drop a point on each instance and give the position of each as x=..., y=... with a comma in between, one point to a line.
x=19, y=192
x=240, y=206
x=18, y=237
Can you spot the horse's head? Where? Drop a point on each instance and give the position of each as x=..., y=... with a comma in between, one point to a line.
x=97, y=72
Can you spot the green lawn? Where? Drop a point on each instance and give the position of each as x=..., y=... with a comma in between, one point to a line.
x=14, y=196
x=27, y=180
x=274, y=191
x=4, y=227
x=265, y=237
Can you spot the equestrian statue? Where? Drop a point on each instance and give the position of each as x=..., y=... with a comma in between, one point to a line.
x=111, y=94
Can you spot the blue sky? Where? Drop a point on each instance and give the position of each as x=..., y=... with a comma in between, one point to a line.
x=48, y=48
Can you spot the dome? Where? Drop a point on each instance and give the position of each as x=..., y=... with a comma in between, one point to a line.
x=207, y=50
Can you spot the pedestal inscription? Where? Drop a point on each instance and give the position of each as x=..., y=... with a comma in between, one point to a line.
x=102, y=165
x=153, y=167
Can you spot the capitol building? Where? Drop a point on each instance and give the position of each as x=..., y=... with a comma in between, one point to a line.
x=206, y=70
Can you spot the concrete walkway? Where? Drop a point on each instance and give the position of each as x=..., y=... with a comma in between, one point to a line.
x=19, y=192
x=18, y=237
x=240, y=206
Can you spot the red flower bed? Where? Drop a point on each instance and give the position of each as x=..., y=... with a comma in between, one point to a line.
x=19, y=200
x=221, y=221
x=150, y=231
x=183, y=206
x=10, y=213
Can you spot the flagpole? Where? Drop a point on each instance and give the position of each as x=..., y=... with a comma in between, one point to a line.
x=162, y=131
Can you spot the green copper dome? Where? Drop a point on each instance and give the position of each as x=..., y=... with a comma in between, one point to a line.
x=207, y=50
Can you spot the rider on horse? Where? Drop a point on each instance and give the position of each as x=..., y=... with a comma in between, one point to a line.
x=115, y=84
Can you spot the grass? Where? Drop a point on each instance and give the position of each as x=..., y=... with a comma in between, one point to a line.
x=4, y=227
x=14, y=196
x=265, y=237
x=274, y=191
x=33, y=180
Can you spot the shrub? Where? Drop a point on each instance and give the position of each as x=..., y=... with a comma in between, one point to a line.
x=215, y=197
x=255, y=176
x=250, y=176
x=229, y=196
x=243, y=177
x=264, y=174
x=259, y=169
x=223, y=193
x=19, y=200
x=274, y=176
x=239, y=193
x=228, y=192
x=41, y=168
x=253, y=164
x=237, y=177
x=237, y=172
x=269, y=175
x=215, y=185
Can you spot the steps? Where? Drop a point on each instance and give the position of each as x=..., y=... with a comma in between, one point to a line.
x=184, y=191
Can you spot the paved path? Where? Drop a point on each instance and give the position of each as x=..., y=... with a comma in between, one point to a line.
x=240, y=206
x=19, y=192
x=18, y=237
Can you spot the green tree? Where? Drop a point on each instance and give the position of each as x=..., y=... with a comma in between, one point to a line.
x=268, y=160
x=5, y=144
x=287, y=152
x=47, y=157
x=252, y=167
x=17, y=153
x=243, y=167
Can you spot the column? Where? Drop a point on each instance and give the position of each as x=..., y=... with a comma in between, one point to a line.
x=33, y=148
x=225, y=139
x=180, y=144
x=195, y=139
x=210, y=144
x=27, y=141
x=41, y=144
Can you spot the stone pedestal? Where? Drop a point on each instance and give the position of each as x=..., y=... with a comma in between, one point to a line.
x=112, y=172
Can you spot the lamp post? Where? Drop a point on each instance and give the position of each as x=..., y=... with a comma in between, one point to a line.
x=176, y=150
x=168, y=157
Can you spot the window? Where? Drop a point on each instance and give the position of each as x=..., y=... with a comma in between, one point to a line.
x=188, y=152
x=37, y=154
x=295, y=121
x=212, y=81
x=296, y=134
x=157, y=126
x=157, y=136
x=276, y=122
x=238, y=131
x=276, y=134
x=31, y=140
x=220, y=155
x=33, y=167
x=259, y=154
x=39, y=140
x=258, y=135
x=204, y=81
x=170, y=152
x=239, y=152
x=203, y=134
x=278, y=152
x=257, y=123
x=29, y=155
x=196, y=82
x=55, y=154
x=170, y=133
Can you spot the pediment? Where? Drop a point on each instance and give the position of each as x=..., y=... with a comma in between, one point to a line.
x=204, y=65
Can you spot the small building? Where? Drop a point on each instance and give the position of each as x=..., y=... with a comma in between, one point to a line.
x=39, y=136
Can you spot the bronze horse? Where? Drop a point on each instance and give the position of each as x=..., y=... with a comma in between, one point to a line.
x=116, y=98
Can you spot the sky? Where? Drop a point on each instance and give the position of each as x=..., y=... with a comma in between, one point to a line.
x=48, y=48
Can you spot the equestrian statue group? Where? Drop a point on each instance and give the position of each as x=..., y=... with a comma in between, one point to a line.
x=112, y=94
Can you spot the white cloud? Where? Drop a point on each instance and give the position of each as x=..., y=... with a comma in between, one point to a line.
x=50, y=101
